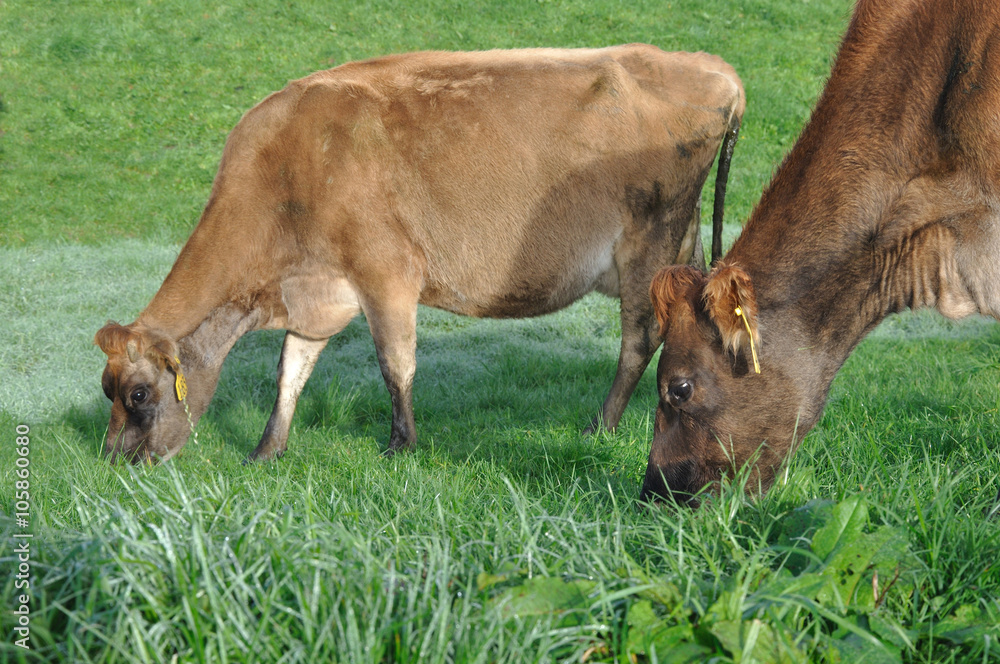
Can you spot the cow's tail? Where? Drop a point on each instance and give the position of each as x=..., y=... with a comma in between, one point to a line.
x=721, y=179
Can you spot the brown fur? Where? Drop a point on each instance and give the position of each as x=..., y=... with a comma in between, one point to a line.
x=669, y=289
x=729, y=288
x=136, y=341
x=501, y=183
x=888, y=200
x=113, y=339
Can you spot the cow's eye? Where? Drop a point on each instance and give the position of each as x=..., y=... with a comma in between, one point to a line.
x=139, y=395
x=680, y=391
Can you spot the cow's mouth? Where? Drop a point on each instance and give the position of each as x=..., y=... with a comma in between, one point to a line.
x=135, y=454
x=671, y=483
x=675, y=473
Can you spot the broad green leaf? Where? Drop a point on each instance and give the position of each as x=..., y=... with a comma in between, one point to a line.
x=504, y=574
x=649, y=634
x=888, y=630
x=727, y=606
x=545, y=596
x=777, y=590
x=728, y=634
x=853, y=566
x=852, y=649
x=641, y=617
x=846, y=522
x=485, y=580
x=755, y=641
x=847, y=624
x=662, y=592
x=682, y=653
x=800, y=525
x=966, y=625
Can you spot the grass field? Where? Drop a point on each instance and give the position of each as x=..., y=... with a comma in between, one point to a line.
x=507, y=536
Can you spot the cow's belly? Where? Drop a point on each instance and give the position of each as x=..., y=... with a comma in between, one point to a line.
x=524, y=286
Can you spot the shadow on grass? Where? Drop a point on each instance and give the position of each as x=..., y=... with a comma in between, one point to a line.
x=500, y=393
x=90, y=423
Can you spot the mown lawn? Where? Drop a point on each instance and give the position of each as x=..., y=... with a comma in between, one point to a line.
x=507, y=536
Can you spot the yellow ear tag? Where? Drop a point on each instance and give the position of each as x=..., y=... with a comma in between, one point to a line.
x=180, y=385
x=753, y=344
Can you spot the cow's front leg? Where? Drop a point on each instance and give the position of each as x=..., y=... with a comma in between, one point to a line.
x=298, y=357
x=639, y=341
x=393, y=324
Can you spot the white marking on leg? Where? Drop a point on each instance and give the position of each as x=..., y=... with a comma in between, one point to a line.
x=298, y=357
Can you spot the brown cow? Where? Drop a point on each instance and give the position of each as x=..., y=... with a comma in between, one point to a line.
x=889, y=200
x=501, y=183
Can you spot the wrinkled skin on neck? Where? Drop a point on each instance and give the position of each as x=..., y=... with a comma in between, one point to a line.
x=148, y=420
x=710, y=421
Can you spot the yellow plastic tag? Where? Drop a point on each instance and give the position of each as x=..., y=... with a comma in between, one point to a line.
x=753, y=346
x=180, y=385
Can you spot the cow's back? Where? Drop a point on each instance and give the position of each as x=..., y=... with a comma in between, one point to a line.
x=508, y=178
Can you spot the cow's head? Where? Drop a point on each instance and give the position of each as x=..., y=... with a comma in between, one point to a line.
x=144, y=381
x=716, y=412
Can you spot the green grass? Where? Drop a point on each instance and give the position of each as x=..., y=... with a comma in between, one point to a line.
x=122, y=107
x=507, y=536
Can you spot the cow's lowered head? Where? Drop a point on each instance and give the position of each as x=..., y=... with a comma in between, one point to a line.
x=721, y=404
x=146, y=386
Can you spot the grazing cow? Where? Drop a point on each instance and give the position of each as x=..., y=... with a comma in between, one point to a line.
x=889, y=200
x=501, y=184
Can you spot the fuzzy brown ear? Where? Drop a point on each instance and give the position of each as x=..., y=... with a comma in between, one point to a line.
x=670, y=286
x=164, y=353
x=128, y=340
x=732, y=305
x=116, y=340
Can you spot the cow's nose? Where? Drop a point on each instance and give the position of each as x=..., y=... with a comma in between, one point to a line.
x=680, y=391
x=672, y=482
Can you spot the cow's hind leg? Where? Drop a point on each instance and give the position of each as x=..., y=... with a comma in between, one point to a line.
x=393, y=324
x=639, y=341
x=637, y=264
x=298, y=357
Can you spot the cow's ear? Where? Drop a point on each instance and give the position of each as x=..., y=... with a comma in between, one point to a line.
x=670, y=286
x=164, y=354
x=115, y=339
x=732, y=305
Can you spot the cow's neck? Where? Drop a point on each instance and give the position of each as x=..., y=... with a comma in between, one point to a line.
x=203, y=352
x=853, y=226
x=215, y=293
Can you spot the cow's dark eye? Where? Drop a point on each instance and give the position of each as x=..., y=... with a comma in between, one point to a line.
x=139, y=395
x=680, y=391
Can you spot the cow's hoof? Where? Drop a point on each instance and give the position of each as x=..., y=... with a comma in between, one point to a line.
x=597, y=424
x=397, y=448
x=263, y=455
